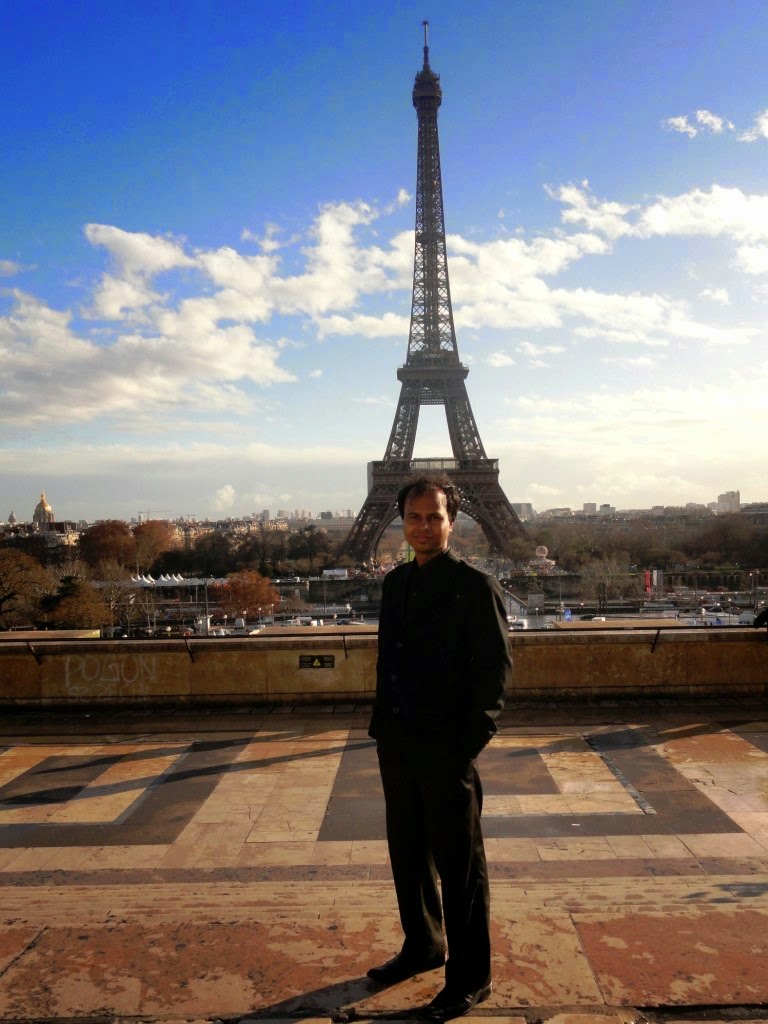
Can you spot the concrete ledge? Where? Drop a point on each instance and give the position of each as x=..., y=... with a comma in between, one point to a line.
x=331, y=666
x=674, y=662
x=292, y=669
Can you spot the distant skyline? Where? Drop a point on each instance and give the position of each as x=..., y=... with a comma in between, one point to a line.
x=730, y=504
x=206, y=249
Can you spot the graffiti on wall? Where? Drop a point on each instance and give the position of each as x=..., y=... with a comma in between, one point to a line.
x=92, y=676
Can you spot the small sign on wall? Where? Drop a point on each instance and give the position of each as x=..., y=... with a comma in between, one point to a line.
x=317, y=660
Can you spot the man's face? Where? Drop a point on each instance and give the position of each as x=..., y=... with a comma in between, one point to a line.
x=426, y=524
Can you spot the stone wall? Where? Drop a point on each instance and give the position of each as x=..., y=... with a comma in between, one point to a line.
x=334, y=667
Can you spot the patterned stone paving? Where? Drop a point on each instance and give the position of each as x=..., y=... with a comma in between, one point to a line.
x=233, y=865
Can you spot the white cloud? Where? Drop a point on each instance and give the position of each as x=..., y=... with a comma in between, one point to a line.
x=498, y=360
x=706, y=120
x=710, y=212
x=117, y=298
x=389, y=325
x=759, y=129
x=224, y=499
x=54, y=374
x=604, y=217
x=713, y=122
x=632, y=362
x=682, y=125
x=717, y=211
x=137, y=254
x=752, y=259
x=137, y=258
x=718, y=295
x=402, y=198
x=373, y=400
x=626, y=318
x=332, y=279
x=535, y=351
x=268, y=242
x=244, y=282
x=9, y=268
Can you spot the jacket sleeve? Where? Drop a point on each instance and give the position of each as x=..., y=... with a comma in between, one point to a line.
x=490, y=663
x=383, y=646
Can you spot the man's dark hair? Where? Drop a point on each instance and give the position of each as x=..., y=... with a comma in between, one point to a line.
x=424, y=485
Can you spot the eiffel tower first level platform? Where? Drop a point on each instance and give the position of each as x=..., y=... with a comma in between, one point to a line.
x=433, y=373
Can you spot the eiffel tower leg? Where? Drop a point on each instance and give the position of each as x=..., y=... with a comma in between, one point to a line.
x=484, y=501
x=403, y=436
x=462, y=428
x=379, y=510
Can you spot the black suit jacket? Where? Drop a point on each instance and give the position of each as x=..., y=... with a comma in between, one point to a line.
x=444, y=652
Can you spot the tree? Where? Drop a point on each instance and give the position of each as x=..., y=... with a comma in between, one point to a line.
x=244, y=593
x=277, y=552
x=117, y=593
x=32, y=544
x=307, y=544
x=23, y=585
x=153, y=539
x=253, y=550
x=81, y=608
x=178, y=559
x=213, y=555
x=604, y=579
x=109, y=540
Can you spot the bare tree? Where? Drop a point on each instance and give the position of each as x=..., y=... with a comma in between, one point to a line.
x=604, y=579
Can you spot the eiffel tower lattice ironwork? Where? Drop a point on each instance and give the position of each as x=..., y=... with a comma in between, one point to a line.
x=433, y=374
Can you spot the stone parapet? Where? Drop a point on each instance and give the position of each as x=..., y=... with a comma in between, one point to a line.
x=329, y=666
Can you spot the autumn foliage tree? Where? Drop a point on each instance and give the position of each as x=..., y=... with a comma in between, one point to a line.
x=80, y=607
x=110, y=540
x=153, y=539
x=244, y=594
x=23, y=585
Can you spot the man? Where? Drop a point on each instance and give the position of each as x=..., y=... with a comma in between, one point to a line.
x=442, y=668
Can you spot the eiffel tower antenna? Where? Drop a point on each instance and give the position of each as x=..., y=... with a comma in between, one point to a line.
x=433, y=373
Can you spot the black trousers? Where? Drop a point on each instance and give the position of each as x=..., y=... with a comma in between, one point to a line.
x=433, y=804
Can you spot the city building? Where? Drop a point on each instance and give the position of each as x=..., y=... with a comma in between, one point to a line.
x=43, y=516
x=730, y=501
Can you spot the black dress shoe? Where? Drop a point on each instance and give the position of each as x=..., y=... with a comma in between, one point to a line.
x=451, y=1003
x=401, y=967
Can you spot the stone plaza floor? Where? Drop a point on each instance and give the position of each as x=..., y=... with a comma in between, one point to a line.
x=179, y=865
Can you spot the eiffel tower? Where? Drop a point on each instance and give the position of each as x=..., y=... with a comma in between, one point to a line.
x=433, y=374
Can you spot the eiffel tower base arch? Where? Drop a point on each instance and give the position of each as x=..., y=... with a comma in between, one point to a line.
x=482, y=499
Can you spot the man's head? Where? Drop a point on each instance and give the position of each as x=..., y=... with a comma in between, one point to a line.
x=428, y=507
x=423, y=485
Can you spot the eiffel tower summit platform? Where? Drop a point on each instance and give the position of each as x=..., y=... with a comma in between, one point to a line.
x=433, y=373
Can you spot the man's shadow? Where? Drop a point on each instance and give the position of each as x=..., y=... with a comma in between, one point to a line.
x=341, y=1002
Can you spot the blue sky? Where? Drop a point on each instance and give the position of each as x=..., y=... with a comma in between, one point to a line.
x=206, y=248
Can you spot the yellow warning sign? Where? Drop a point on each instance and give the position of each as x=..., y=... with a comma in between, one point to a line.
x=317, y=660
